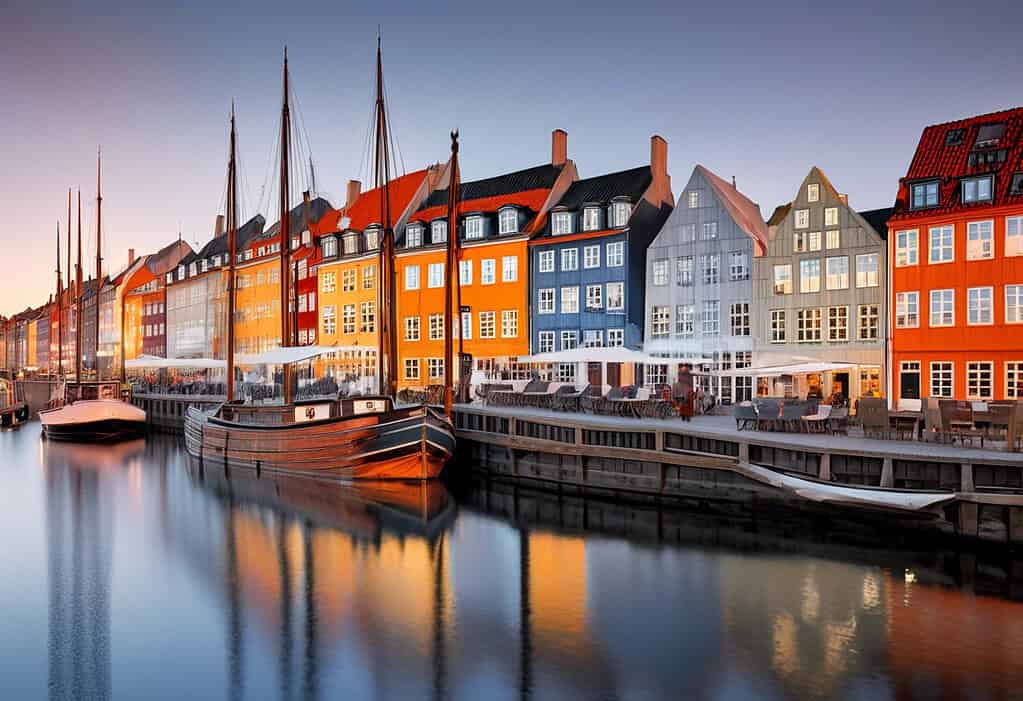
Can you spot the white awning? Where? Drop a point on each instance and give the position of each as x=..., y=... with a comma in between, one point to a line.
x=154, y=362
x=794, y=369
x=594, y=355
x=281, y=356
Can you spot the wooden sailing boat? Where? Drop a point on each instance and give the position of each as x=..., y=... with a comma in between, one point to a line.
x=92, y=411
x=352, y=438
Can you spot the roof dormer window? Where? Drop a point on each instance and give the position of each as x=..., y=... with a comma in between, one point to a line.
x=989, y=135
x=261, y=251
x=294, y=242
x=508, y=221
x=329, y=247
x=248, y=254
x=181, y=272
x=591, y=218
x=351, y=244
x=372, y=238
x=413, y=236
x=215, y=261
x=620, y=213
x=977, y=189
x=205, y=266
x=439, y=231
x=924, y=195
x=170, y=277
x=1016, y=187
x=474, y=227
x=192, y=268
x=561, y=223
x=954, y=137
x=307, y=237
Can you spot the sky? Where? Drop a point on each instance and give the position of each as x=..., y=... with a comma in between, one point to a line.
x=761, y=91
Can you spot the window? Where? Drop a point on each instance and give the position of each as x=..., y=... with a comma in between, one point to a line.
x=808, y=325
x=411, y=368
x=1014, y=236
x=509, y=268
x=977, y=189
x=591, y=256
x=838, y=324
x=509, y=323
x=621, y=211
x=783, y=279
x=348, y=318
x=660, y=321
x=941, y=379
x=867, y=270
x=435, y=275
x=924, y=195
x=777, y=326
x=412, y=328
x=869, y=322
x=546, y=342
x=685, y=320
x=367, y=310
x=739, y=268
x=833, y=239
x=989, y=135
x=802, y=218
x=942, y=244
x=813, y=192
x=615, y=338
x=831, y=216
x=906, y=248
x=615, y=255
x=436, y=327
x=656, y=375
x=369, y=276
x=562, y=223
x=351, y=244
x=411, y=277
x=954, y=137
x=303, y=337
x=488, y=325
x=413, y=235
x=836, y=272
x=943, y=304
x=616, y=296
x=907, y=310
x=738, y=314
x=474, y=227
x=488, y=271
x=438, y=232
x=545, y=303
x=1014, y=380
x=328, y=283
x=710, y=230
x=348, y=280
x=594, y=297
x=1016, y=186
x=810, y=275
x=711, y=317
x=980, y=380
x=301, y=303
x=435, y=368
x=980, y=306
x=329, y=247
x=710, y=264
x=593, y=338
x=569, y=259
x=694, y=199
x=1014, y=304
x=546, y=261
x=688, y=232
x=465, y=272
x=466, y=325
x=569, y=300
x=565, y=371
x=814, y=238
x=799, y=242
x=660, y=272
x=980, y=240
x=508, y=221
x=569, y=340
x=591, y=218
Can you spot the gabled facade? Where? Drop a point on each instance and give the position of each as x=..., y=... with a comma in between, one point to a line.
x=588, y=263
x=819, y=291
x=699, y=289
x=497, y=217
x=956, y=257
x=145, y=302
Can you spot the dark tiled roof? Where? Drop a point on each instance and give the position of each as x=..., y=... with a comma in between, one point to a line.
x=603, y=188
x=218, y=244
x=779, y=213
x=940, y=156
x=540, y=177
x=296, y=218
x=878, y=219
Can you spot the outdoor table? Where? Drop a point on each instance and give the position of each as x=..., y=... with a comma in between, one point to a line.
x=902, y=418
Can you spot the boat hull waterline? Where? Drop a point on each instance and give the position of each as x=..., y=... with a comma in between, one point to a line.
x=93, y=421
x=409, y=444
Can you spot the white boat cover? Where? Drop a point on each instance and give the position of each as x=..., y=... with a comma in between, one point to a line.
x=89, y=410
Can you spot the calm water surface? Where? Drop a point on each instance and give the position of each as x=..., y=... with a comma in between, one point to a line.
x=128, y=572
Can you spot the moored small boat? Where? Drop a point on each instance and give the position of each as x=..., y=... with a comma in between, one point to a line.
x=13, y=408
x=93, y=413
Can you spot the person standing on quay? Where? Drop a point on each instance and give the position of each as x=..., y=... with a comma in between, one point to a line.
x=683, y=392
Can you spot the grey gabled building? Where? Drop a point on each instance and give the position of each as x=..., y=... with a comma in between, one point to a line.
x=819, y=294
x=699, y=292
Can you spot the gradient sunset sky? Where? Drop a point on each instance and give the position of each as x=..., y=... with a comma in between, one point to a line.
x=758, y=90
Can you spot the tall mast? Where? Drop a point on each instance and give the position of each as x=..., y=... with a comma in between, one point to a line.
x=452, y=270
x=99, y=252
x=78, y=297
x=232, y=244
x=388, y=358
x=60, y=307
x=285, y=232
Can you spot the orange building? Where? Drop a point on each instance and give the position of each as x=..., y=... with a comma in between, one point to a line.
x=496, y=218
x=145, y=302
x=956, y=263
x=346, y=267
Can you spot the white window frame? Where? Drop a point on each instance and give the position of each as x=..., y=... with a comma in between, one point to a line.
x=545, y=342
x=474, y=228
x=739, y=318
x=1013, y=378
x=813, y=192
x=659, y=272
x=973, y=185
x=465, y=272
x=488, y=324
x=614, y=255
x=978, y=292
x=864, y=325
x=974, y=368
x=802, y=219
x=570, y=299
x=685, y=320
x=569, y=259
x=806, y=280
x=615, y=302
x=591, y=256
x=545, y=300
x=621, y=212
x=591, y=218
x=902, y=300
x=783, y=286
x=907, y=248
x=980, y=240
x=561, y=223
x=435, y=275
x=778, y=326
x=868, y=278
x=488, y=271
x=832, y=239
x=831, y=216
x=1014, y=303
x=594, y=297
x=411, y=277
x=509, y=268
x=944, y=371
x=809, y=325
x=572, y=338
x=615, y=338
x=438, y=232
x=1013, y=237
x=411, y=368
x=546, y=261
x=660, y=321
x=942, y=305
x=509, y=323
x=413, y=330
x=508, y=221
x=946, y=244
x=413, y=236
x=837, y=313
x=836, y=280
x=694, y=199
x=710, y=317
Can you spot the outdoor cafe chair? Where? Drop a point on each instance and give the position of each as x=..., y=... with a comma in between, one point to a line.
x=818, y=421
x=792, y=414
x=745, y=415
x=873, y=416
x=838, y=421
x=768, y=413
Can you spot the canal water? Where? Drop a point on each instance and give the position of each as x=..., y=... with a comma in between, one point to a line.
x=128, y=572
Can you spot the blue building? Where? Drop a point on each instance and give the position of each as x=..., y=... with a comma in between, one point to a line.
x=588, y=263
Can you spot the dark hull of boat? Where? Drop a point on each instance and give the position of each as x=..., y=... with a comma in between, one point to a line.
x=407, y=444
x=102, y=431
x=14, y=416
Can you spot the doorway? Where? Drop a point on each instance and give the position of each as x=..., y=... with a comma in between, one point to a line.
x=614, y=374
x=593, y=374
x=909, y=379
x=840, y=384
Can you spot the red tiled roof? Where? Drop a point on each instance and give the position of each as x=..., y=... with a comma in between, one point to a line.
x=367, y=208
x=745, y=212
x=933, y=159
x=530, y=199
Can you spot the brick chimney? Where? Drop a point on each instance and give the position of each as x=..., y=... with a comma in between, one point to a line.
x=352, y=193
x=659, y=165
x=306, y=216
x=131, y=256
x=559, y=147
x=218, y=227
